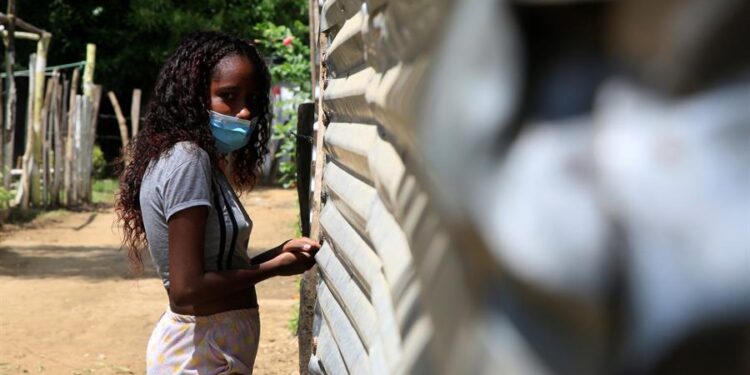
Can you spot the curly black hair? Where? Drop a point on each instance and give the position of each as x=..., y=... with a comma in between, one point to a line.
x=178, y=111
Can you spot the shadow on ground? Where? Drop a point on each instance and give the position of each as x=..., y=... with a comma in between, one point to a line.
x=68, y=261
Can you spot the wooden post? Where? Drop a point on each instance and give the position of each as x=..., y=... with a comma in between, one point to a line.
x=27, y=161
x=309, y=281
x=120, y=121
x=88, y=70
x=93, y=112
x=36, y=134
x=57, y=142
x=8, y=130
x=135, y=112
x=69, y=141
x=45, y=137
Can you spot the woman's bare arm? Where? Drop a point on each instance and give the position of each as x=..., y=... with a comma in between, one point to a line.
x=190, y=285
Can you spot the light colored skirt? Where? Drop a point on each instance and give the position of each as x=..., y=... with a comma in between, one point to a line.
x=223, y=343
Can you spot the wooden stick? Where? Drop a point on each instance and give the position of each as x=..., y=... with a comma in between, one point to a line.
x=10, y=104
x=57, y=142
x=120, y=121
x=44, y=137
x=36, y=138
x=135, y=111
x=7, y=19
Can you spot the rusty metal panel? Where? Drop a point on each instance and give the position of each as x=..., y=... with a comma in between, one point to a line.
x=350, y=296
x=346, y=52
x=336, y=12
x=330, y=356
x=361, y=260
x=352, y=196
x=393, y=248
x=353, y=351
x=344, y=98
x=350, y=144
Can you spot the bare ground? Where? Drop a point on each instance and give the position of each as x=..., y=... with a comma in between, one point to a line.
x=68, y=304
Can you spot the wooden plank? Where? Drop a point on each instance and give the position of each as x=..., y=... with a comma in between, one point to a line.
x=392, y=247
x=10, y=104
x=346, y=54
x=27, y=161
x=69, y=139
x=361, y=260
x=350, y=145
x=349, y=295
x=352, y=349
x=58, y=143
x=310, y=278
x=45, y=140
x=352, y=197
x=329, y=352
x=345, y=97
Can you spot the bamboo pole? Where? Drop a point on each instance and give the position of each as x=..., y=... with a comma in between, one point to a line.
x=8, y=130
x=135, y=111
x=120, y=121
x=36, y=139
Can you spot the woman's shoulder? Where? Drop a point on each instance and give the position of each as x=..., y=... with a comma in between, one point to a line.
x=180, y=155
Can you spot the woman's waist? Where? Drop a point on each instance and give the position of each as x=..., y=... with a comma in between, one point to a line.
x=245, y=299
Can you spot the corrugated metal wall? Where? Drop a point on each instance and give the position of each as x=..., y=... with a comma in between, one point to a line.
x=481, y=214
x=368, y=318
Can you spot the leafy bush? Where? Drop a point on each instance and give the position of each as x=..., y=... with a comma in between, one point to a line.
x=99, y=163
x=5, y=197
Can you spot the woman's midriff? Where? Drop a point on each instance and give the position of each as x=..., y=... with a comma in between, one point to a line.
x=245, y=299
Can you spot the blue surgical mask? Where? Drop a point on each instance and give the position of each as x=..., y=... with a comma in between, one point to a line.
x=230, y=133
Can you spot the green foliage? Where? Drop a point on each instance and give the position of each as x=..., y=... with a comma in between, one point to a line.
x=293, y=323
x=291, y=60
x=5, y=197
x=134, y=37
x=103, y=190
x=99, y=163
x=284, y=132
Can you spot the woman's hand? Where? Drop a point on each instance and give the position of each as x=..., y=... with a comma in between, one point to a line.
x=301, y=245
x=293, y=263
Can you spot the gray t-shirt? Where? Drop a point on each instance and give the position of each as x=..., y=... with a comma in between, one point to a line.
x=181, y=178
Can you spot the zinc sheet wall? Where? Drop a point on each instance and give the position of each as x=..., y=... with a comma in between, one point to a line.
x=496, y=205
x=368, y=316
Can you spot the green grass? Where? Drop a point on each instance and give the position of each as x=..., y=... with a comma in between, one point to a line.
x=103, y=191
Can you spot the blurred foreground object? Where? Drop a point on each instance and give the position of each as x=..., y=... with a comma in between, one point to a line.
x=534, y=187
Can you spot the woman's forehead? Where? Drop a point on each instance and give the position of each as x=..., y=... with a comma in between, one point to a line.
x=234, y=68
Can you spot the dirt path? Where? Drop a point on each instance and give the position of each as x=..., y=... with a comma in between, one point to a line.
x=69, y=306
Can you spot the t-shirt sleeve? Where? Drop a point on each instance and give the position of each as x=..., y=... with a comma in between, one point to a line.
x=189, y=184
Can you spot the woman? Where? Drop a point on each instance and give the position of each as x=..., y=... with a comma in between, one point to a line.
x=204, y=136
